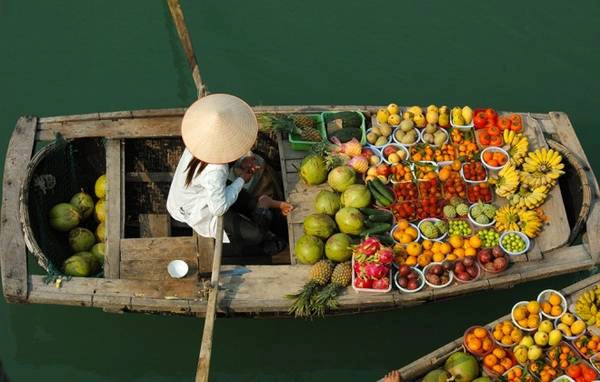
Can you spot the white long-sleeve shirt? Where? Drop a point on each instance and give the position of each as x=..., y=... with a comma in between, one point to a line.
x=206, y=198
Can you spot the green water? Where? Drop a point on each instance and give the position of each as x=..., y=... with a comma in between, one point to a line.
x=71, y=57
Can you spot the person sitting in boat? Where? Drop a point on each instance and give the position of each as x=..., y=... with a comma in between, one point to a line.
x=218, y=132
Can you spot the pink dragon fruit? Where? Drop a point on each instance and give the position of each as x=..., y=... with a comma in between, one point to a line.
x=376, y=271
x=382, y=283
x=369, y=246
x=385, y=255
x=363, y=283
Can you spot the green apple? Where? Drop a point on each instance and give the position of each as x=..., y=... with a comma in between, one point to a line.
x=541, y=338
x=546, y=326
x=534, y=353
x=526, y=341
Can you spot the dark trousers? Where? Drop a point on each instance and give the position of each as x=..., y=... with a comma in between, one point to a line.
x=245, y=226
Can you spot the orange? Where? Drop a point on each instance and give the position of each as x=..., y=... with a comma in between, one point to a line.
x=506, y=340
x=445, y=248
x=451, y=257
x=438, y=257
x=506, y=329
x=516, y=335
x=480, y=332
x=456, y=165
x=554, y=299
x=470, y=252
x=412, y=232
x=411, y=261
x=506, y=363
x=546, y=307
x=423, y=260
x=444, y=174
x=405, y=238
x=533, y=322
x=497, y=335
x=499, y=353
x=533, y=307
x=427, y=244
x=456, y=241
x=459, y=252
x=397, y=234
x=475, y=241
x=523, y=323
x=474, y=344
x=520, y=313
x=413, y=249
x=498, y=369
x=486, y=344
x=490, y=360
x=556, y=310
x=436, y=248
x=403, y=224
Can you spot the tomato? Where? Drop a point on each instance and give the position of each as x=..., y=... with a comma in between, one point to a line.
x=493, y=131
x=504, y=123
x=480, y=120
x=491, y=114
x=588, y=373
x=573, y=371
x=516, y=119
x=484, y=138
x=496, y=140
x=516, y=127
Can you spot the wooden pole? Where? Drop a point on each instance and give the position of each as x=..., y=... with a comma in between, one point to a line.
x=211, y=309
x=186, y=42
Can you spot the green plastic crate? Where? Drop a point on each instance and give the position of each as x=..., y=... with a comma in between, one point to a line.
x=363, y=139
x=300, y=145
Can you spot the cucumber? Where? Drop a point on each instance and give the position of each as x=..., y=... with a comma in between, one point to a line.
x=370, y=223
x=382, y=189
x=376, y=215
x=380, y=199
x=385, y=240
x=379, y=228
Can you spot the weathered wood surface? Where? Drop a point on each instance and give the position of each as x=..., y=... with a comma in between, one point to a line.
x=436, y=358
x=114, y=196
x=13, y=253
x=147, y=259
x=155, y=225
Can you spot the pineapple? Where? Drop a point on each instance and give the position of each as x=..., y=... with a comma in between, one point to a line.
x=321, y=272
x=319, y=275
x=302, y=125
x=306, y=128
x=327, y=298
x=342, y=274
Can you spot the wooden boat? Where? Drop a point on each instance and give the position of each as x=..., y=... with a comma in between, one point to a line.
x=138, y=151
x=419, y=368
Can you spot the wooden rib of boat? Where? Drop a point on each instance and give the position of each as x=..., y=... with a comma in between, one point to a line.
x=419, y=368
x=138, y=150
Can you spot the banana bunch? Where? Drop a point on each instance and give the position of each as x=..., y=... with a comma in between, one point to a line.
x=507, y=181
x=512, y=218
x=586, y=306
x=518, y=146
x=530, y=198
x=542, y=167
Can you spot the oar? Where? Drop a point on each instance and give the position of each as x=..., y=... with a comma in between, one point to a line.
x=211, y=308
x=203, y=368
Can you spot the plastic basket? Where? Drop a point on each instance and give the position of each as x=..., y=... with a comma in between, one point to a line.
x=299, y=144
x=326, y=114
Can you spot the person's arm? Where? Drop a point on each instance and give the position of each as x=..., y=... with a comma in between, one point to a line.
x=221, y=196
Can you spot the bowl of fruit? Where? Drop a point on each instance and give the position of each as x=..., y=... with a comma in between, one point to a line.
x=379, y=136
x=518, y=374
x=514, y=243
x=494, y=158
x=499, y=361
x=493, y=260
x=394, y=153
x=553, y=303
x=461, y=118
x=473, y=172
x=489, y=237
x=409, y=279
x=373, y=155
x=433, y=229
x=479, y=192
x=482, y=215
x=434, y=136
x=460, y=227
x=406, y=133
x=506, y=334
x=477, y=341
x=466, y=270
x=526, y=315
x=404, y=232
x=571, y=326
x=438, y=275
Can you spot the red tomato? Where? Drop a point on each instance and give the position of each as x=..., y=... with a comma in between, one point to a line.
x=491, y=114
x=480, y=120
x=516, y=119
x=493, y=131
x=484, y=138
x=496, y=140
x=573, y=371
x=516, y=128
x=504, y=123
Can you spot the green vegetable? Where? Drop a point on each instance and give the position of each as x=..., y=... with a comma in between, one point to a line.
x=385, y=240
x=383, y=190
x=375, y=215
x=380, y=199
x=379, y=228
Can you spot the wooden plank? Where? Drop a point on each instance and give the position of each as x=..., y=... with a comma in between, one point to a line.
x=149, y=177
x=146, y=113
x=292, y=165
x=70, y=118
x=205, y=247
x=13, y=253
x=155, y=225
x=304, y=203
x=114, y=196
x=147, y=258
x=289, y=153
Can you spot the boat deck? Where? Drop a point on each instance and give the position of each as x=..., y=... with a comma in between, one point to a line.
x=135, y=270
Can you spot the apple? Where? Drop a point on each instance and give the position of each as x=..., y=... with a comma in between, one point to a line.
x=389, y=150
x=541, y=338
x=546, y=326
x=383, y=170
x=404, y=270
x=534, y=353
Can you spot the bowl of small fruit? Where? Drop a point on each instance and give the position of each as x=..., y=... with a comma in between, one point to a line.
x=514, y=243
x=394, y=153
x=482, y=215
x=494, y=158
x=379, y=136
x=571, y=326
x=526, y=315
x=434, y=136
x=492, y=260
x=438, y=275
x=506, y=334
x=404, y=232
x=406, y=133
x=466, y=270
x=433, y=229
x=553, y=304
x=474, y=172
x=478, y=341
x=409, y=279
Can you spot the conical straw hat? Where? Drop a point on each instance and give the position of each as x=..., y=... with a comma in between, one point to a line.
x=219, y=128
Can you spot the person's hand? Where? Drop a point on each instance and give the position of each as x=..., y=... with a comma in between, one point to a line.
x=245, y=174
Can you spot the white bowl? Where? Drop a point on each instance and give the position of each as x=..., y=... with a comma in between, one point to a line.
x=512, y=317
x=401, y=147
x=450, y=278
x=177, y=269
x=491, y=223
x=462, y=175
x=389, y=139
x=460, y=127
x=405, y=144
x=376, y=152
x=412, y=225
x=563, y=302
x=493, y=149
x=564, y=378
x=422, y=236
x=421, y=278
x=522, y=236
x=570, y=338
x=422, y=132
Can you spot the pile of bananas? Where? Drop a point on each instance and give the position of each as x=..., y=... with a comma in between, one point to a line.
x=512, y=218
x=528, y=197
x=587, y=304
x=507, y=181
x=542, y=167
x=518, y=146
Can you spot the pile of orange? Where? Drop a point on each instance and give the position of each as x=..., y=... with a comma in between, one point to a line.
x=498, y=361
x=404, y=233
x=552, y=305
x=587, y=345
x=401, y=172
x=516, y=375
x=527, y=315
x=445, y=154
x=449, y=170
x=546, y=374
x=419, y=153
x=462, y=247
x=507, y=333
x=478, y=341
x=425, y=171
x=494, y=159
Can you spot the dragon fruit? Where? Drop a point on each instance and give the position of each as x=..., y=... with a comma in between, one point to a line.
x=385, y=255
x=359, y=163
x=382, y=283
x=363, y=283
x=369, y=246
x=376, y=271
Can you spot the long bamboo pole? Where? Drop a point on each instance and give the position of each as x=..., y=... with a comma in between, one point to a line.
x=186, y=42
